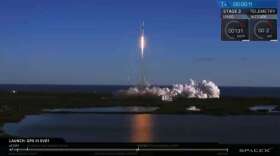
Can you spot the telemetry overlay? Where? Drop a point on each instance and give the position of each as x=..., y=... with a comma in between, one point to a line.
x=243, y=20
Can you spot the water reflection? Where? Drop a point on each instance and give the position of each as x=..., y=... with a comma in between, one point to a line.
x=141, y=130
x=75, y=127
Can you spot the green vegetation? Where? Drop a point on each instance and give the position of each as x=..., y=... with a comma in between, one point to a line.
x=13, y=107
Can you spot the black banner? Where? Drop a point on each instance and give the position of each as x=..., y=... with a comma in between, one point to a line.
x=47, y=146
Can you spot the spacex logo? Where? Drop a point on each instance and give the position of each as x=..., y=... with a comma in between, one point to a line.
x=255, y=150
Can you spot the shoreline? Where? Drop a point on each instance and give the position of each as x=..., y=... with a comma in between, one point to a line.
x=14, y=107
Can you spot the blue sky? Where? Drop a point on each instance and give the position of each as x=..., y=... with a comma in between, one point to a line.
x=96, y=41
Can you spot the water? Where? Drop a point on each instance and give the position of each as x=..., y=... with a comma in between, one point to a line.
x=225, y=91
x=265, y=108
x=63, y=88
x=149, y=128
x=114, y=109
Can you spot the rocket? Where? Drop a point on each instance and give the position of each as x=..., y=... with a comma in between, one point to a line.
x=142, y=29
x=142, y=40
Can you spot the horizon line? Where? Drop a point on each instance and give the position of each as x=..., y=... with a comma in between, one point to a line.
x=53, y=84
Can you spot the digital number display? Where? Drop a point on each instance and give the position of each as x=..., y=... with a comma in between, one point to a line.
x=245, y=20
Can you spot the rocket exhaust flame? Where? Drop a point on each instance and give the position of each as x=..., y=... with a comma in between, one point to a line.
x=142, y=41
x=142, y=45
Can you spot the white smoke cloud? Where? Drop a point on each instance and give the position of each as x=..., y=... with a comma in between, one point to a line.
x=192, y=89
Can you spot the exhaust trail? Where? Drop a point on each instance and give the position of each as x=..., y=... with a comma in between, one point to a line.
x=143, y=83
x=142, y=41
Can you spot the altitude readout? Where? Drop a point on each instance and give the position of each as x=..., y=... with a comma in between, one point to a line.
x=256, y=24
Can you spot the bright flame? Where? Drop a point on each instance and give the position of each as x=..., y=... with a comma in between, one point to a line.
x=142, y=45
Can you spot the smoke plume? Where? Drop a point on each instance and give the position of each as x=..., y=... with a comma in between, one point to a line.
x=192, y=89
